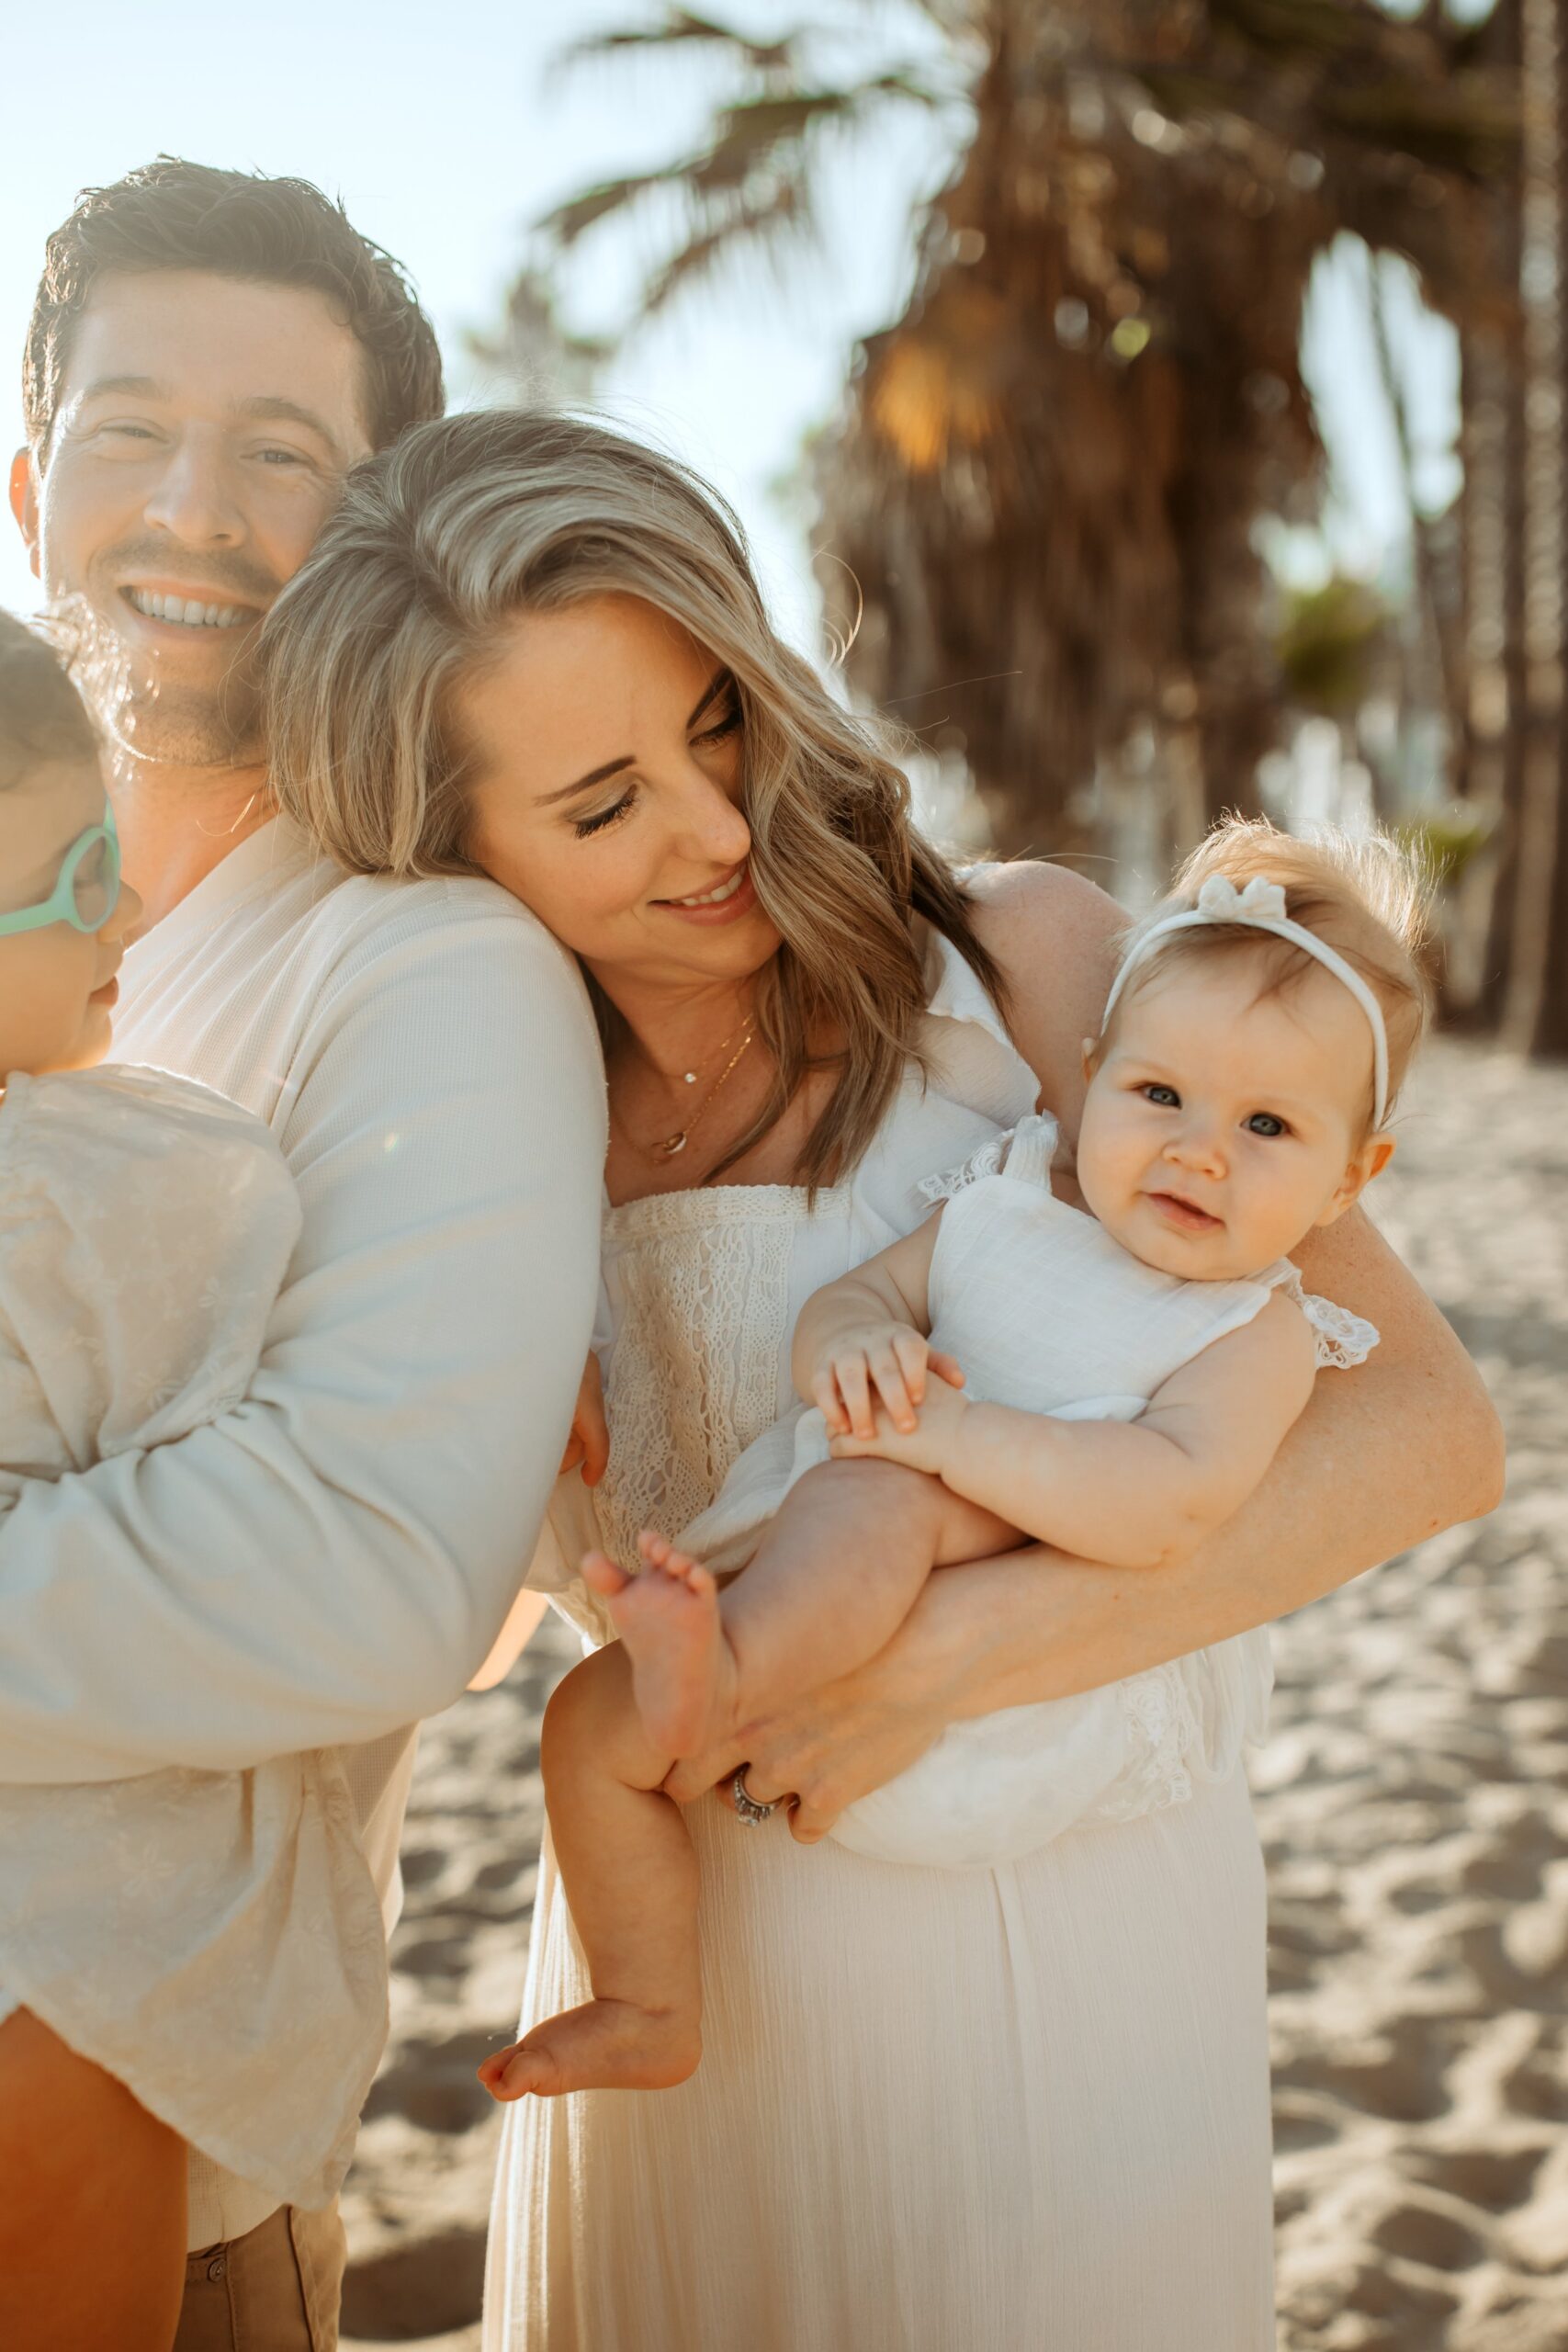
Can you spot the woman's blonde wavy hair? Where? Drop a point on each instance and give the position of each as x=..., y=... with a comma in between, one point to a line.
x=439, y=545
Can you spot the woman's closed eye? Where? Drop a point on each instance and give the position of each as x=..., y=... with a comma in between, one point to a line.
x=727, y=723
x=583, y=826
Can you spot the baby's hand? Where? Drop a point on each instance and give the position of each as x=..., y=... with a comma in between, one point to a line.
x=925, y=1443
x=886, y=1364
x=589, y=1442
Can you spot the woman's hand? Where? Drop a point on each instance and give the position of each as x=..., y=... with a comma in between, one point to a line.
x=930, y=1444
x=588, y=1445
x=840, y=1742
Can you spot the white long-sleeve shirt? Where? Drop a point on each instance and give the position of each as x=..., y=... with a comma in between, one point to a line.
x=332, y=1559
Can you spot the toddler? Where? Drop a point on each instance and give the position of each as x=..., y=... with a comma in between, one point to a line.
x=1111, y=1372
x=170, y=1944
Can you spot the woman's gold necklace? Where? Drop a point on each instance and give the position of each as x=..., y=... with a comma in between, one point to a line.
x=669, y=1146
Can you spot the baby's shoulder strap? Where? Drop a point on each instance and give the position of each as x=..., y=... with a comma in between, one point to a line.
x=1024, y=1153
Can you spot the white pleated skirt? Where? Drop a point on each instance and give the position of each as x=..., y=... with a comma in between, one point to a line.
x=1022, y=2110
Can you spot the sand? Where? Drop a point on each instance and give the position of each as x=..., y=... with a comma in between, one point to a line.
x=1414, y=1805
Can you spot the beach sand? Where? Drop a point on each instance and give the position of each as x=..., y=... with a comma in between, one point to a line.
x=1413, y=1800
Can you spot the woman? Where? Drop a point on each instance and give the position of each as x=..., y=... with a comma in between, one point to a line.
x=936, y=2110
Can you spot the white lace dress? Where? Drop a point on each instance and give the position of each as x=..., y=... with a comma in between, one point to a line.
x=981, y=2110
x=1047, y=1314
x=212, y=1939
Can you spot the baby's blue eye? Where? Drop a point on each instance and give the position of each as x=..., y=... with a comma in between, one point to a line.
x=1264, y=1123
x=1165, y=1096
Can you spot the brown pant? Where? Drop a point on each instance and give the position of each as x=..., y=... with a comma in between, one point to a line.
x=276, y=2289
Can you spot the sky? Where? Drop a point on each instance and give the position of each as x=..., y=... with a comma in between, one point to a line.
x=446, y=133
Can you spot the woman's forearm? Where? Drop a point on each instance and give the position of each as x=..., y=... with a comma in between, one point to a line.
x=1380, y=1461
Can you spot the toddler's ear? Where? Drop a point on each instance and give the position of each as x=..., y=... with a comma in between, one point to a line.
x=1369, y=1161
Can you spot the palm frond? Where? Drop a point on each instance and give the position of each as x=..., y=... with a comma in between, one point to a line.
x=572, y=220
x=755, y=224
x=681, y=29
x=750, y=173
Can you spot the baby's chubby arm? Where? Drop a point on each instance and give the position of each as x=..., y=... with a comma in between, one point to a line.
x=868, y=1332
x=1128, y=1494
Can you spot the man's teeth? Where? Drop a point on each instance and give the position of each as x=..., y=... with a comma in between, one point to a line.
x=716, y=898
x=186, y=610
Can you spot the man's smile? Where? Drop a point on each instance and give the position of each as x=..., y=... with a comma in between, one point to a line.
x=180, y=609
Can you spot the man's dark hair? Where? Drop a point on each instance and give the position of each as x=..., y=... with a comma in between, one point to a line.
x=41, y=719
x=175, y=215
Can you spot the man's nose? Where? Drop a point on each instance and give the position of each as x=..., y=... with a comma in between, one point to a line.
x=193, y=499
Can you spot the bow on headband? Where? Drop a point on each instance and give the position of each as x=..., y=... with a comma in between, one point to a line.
x=1219, y=901
x=1259, y=905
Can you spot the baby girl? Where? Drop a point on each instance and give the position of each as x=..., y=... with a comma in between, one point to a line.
x=171, y=1946
x=1109, y=1369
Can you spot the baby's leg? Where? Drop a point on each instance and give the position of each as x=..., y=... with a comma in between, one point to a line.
x=836, y=1573
x=92, y=2204
x=631, y=1879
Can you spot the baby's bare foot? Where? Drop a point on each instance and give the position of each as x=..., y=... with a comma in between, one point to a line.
x=682, y=1670
x=603, y=2046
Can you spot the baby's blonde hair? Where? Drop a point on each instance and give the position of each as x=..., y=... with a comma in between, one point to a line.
x=1364, y=895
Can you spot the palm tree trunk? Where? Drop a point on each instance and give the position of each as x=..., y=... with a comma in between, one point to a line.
x=1536, y=1009
x=1492, y=405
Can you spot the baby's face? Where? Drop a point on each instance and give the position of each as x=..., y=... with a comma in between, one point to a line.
x=1220, y=1128
x=57, y=985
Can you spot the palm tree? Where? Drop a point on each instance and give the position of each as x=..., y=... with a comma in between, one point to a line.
x=1049, y=470
x=1536, y=1009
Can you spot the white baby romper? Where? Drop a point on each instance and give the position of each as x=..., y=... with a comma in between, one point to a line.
x=1046, y=1313
x=212, y=1939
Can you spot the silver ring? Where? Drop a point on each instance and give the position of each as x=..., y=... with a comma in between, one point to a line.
x=749, y=1808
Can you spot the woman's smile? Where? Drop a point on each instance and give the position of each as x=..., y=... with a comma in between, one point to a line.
x=728, y=900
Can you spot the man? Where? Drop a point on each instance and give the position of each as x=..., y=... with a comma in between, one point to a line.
x=209, y=354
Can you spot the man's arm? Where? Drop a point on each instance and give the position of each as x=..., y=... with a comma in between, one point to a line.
x=333, y=1557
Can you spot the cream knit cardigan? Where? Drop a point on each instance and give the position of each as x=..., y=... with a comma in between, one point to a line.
x=330, y=1560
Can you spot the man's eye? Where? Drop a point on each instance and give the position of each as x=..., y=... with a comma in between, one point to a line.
x=280, y=456
x=129, y=432
x=1264, y=1123
x=1165, y=1096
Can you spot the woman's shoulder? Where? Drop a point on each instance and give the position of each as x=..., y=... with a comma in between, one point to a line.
x=1053, y=935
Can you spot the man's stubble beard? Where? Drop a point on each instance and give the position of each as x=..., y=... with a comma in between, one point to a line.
x=153, y=719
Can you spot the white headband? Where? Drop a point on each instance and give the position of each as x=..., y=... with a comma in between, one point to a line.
x=1261, y=907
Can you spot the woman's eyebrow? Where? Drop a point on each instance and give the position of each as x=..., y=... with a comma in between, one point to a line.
x=594, y=775
x=720, y=679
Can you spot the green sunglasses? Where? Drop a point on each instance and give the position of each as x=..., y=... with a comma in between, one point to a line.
x=87, y=889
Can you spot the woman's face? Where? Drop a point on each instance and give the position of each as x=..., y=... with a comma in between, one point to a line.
x=608, y=759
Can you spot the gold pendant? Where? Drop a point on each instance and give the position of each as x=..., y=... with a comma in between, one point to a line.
x=671, y=1145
